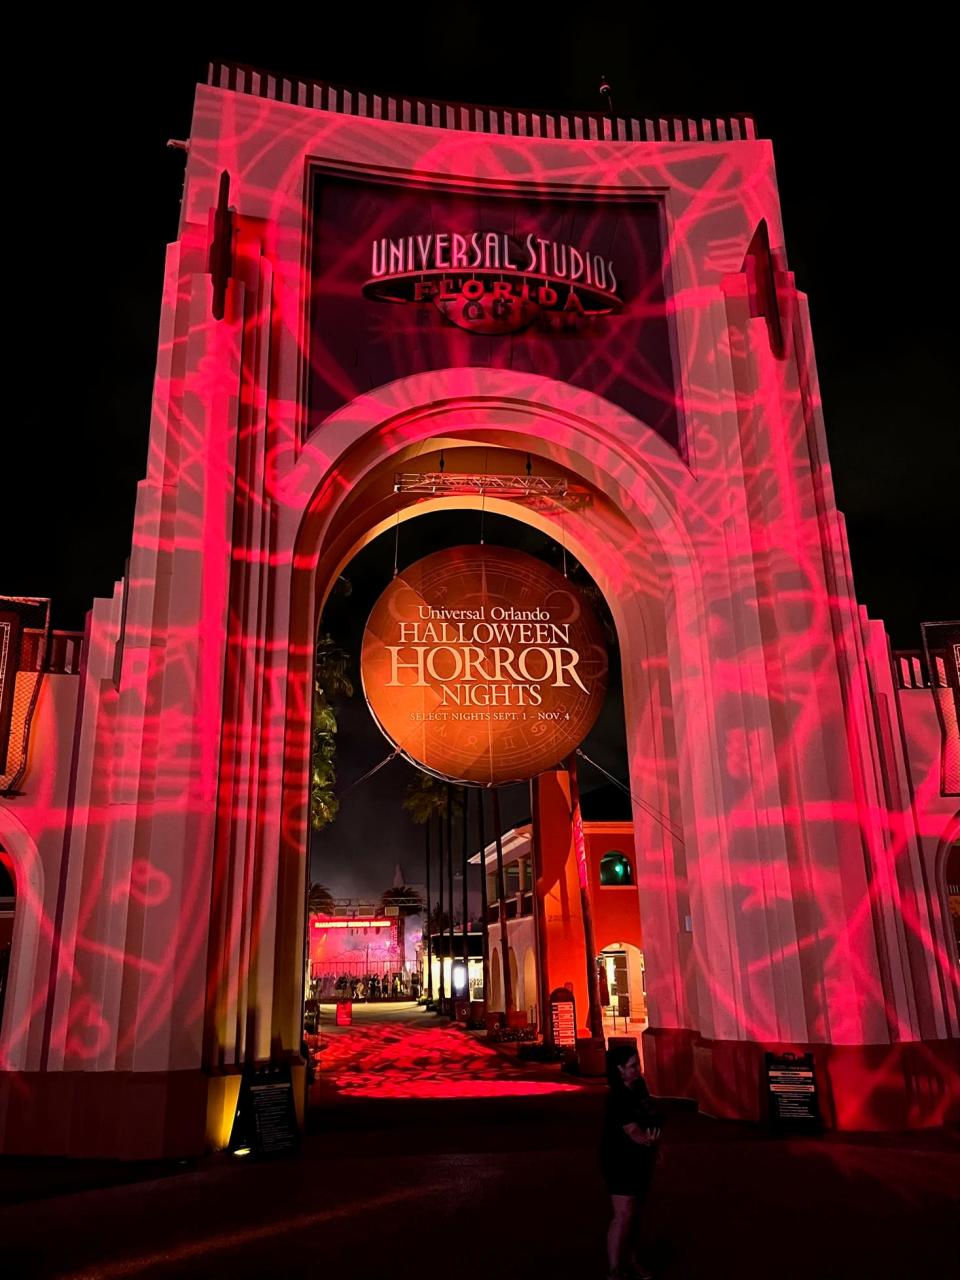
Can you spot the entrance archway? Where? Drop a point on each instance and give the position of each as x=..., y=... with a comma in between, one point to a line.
x=636, y=551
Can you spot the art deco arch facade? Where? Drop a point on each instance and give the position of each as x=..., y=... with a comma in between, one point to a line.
x=784, y=898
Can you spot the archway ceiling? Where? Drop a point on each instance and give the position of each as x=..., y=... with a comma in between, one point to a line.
x=373, y=504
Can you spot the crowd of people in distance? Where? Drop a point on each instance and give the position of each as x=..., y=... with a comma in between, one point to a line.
x=362, y=987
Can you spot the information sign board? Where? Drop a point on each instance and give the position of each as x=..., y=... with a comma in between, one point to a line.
x=563, y=1019
x=266, y=1122
x=792, y=1090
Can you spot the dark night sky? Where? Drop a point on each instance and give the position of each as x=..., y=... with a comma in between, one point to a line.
x=862, y=131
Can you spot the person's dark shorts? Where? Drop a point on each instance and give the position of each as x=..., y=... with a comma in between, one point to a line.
x=627, y=1177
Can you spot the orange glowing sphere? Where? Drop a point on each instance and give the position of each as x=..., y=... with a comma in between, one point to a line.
x=483, y=665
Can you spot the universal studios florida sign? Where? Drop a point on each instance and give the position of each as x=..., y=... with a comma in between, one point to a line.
x=491, y=282
x=483, y=665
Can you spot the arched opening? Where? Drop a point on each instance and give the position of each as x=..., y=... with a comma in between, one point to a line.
x=372, y=822
x=496, y=984
x=620, y=966
x=635, y=551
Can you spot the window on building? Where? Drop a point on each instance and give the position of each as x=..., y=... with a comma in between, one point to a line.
x=615, y=869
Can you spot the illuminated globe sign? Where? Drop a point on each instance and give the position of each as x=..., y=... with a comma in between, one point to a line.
x=483, y=665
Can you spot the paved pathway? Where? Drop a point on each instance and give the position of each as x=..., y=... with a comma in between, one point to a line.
x=395, y=1051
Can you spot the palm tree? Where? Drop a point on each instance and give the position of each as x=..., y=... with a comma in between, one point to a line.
x=320, y=901
x=330, y=681
x=427, y=798
x=408, y=902
x=439, y=921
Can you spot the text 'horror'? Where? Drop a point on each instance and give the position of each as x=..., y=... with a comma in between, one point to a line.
x=485, y=663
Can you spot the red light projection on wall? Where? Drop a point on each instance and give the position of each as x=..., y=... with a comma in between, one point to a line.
x=790, y=826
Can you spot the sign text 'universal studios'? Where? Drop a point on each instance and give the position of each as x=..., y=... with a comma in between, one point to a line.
x=492, y=251
x=493, y=282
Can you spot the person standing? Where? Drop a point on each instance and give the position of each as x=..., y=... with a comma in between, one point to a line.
x=629, y=1151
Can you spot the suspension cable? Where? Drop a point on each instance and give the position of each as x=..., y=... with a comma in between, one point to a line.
x=370, y=772
x=648, y=809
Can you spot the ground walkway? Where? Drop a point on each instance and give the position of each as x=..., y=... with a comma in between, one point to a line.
x=400, y=1051
x=418, y=1175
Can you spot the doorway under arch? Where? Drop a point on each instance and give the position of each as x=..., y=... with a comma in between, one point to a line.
x=637, y=552
x=630, y=570
x=339, y=850
x=621, y=967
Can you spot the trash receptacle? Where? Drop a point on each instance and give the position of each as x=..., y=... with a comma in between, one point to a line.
x=344, y=1013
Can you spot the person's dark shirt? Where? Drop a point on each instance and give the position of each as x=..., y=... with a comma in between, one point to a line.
x=628, y=1106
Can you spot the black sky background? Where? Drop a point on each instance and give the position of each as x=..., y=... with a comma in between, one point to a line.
x=864, y=138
